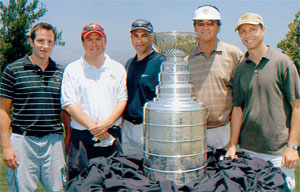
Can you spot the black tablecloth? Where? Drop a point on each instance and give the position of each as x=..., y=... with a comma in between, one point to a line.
x=125, y=173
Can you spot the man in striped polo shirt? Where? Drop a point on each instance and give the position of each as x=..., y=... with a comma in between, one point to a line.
x=211, y=66
x=35, y=149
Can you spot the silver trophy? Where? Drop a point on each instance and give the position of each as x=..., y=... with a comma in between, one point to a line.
x=175, y=44
x=174, y=122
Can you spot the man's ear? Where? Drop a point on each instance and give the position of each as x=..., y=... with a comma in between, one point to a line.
x=152, y=37
x=30, y=42
x=263, y=29
x=195, y=29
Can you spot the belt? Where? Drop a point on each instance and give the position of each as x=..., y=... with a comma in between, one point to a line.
x=115, y=127
x=134, y=121
x=32, y=133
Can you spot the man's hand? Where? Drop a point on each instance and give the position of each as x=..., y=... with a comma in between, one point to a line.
x=289, y=158
x=231, y=152
x=99, y=130
x=9, y=158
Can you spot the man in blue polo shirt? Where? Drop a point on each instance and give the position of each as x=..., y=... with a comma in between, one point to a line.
x=142, y=78
x=35, y=149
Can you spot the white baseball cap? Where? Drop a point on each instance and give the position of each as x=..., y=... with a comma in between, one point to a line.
x=207, y=12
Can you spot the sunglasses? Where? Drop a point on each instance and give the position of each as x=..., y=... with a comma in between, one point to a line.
x=201, y=23
x=93, y=27
x=141, y=24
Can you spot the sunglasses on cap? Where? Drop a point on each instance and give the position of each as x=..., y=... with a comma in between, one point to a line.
x=141, y=24
x=93, y=27
x=201, y=23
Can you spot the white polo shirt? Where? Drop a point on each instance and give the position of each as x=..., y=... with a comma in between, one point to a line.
x=96, y=91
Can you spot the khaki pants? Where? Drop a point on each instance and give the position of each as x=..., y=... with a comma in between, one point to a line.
x=218, y=138
x=132, y=138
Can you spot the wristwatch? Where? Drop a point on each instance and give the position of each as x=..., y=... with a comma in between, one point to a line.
x=295, y=147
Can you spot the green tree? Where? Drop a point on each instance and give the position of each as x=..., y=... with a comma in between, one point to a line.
x=291, y=44
x=16, y=19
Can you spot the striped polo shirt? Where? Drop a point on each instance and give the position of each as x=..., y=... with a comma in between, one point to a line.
x=212, y=77
x=35, y=95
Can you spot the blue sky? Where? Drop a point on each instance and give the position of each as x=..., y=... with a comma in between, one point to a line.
x=166, y=15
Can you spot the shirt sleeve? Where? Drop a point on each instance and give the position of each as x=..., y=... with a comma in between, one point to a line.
x=238, y=96
x=291, y=82
x=68, y=89
x=122, y=89
x=7, y=84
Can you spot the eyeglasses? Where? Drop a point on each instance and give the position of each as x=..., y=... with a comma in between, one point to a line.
x=93, y=27
x=201, y=23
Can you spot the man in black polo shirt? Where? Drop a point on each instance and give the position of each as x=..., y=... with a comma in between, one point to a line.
x=142, y=78
x=35, y=149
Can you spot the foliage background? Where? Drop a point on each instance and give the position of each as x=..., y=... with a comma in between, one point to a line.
x=16, y=19
x=290, y=45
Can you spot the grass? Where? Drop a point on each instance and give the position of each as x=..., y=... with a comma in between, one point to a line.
x=3, y=177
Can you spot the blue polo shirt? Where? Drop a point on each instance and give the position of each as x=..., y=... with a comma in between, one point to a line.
x=35, y=95
x=142, y=78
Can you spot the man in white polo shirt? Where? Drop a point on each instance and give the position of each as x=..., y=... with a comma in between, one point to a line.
x=94, y=94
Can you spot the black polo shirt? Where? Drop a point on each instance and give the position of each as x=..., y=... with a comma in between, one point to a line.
x=35, y=95
x=142, y=78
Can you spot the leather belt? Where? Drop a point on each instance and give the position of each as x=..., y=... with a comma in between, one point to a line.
x=134, y=121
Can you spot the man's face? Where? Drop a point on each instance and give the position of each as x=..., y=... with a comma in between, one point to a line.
x=207, y=30
x=94, y=44
x=251, y=35
x=43, y=44
x=141, y=41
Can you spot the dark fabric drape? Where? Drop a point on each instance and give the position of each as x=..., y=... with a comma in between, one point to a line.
x=125, y=173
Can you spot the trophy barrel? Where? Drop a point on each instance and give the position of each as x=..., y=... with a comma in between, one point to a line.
x=174, y=141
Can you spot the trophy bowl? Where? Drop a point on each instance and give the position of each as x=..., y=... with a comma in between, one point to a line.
x=175, y=43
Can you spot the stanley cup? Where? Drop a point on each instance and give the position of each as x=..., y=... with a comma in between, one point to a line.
x=174, y=122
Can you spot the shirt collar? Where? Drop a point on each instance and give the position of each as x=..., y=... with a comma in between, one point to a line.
x=30, y=65
x=148, y=57
x=267, y=55
x=217, y=48
x=86, y=65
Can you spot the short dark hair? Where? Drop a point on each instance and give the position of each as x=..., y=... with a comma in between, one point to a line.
x=41, y=26
x=219, y=21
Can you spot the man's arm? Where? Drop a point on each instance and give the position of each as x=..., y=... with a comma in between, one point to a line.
x=101, y=127
x=290, y=156
x=235, y=128
x=79, y=116
x=8, y=153
x=98, y=128
x=67, y=128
